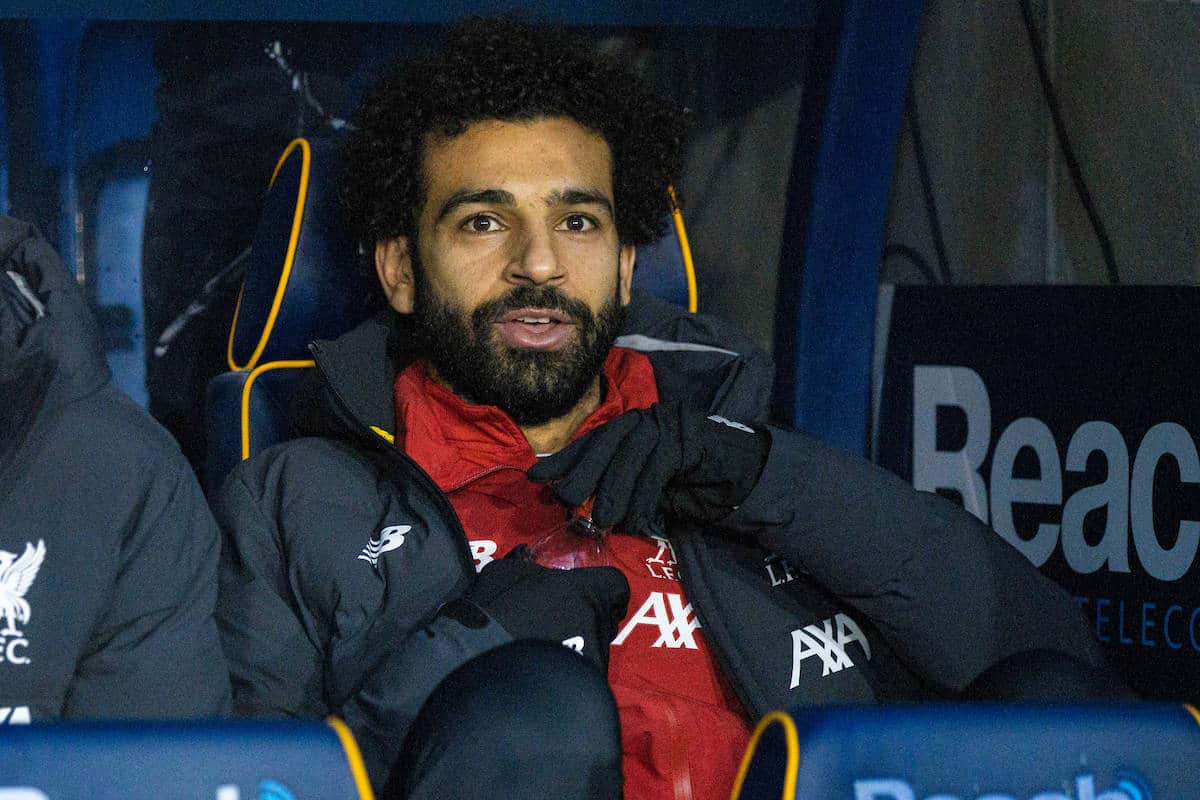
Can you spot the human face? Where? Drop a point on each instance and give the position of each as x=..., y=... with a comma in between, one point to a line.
x=518, y=276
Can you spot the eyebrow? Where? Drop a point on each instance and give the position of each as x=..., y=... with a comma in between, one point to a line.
x=578, y=197
x=499, y=197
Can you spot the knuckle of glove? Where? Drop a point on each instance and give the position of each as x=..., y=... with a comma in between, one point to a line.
x=500, y=577
x=555, y=465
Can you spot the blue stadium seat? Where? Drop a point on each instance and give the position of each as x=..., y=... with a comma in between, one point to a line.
x=178, y=760
x=1136, y=751
x=301, y=285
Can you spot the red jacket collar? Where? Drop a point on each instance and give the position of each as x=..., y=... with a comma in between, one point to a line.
x=457, y=442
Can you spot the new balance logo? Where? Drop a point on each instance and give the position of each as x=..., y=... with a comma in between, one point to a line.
x=388, y=539
x=665, y=611
x=15, y=715
x=823, y=643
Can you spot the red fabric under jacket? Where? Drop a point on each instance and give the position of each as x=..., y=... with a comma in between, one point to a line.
x=682, y=731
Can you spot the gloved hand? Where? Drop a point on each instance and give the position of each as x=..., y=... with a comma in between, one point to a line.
x=670, y=457
x=580, y=608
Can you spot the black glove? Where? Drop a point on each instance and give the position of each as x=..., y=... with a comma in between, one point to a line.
x=668, y=457
x=580, y=608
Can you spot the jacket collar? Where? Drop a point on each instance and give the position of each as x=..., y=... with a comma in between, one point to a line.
x=353, y=380
x=457, y=442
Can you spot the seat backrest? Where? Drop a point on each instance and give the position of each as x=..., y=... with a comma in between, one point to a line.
x=1136, y=751
x=301, y=284
x=211, y=760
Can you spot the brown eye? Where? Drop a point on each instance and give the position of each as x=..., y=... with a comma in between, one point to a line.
x=578, y=223
x=481, y=224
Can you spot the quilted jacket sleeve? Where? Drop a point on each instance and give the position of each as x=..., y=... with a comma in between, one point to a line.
x=306, y=638
x=951, y=597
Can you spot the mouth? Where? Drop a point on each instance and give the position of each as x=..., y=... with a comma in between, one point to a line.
x=536, y=328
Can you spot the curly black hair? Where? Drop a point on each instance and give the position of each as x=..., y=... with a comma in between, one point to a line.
x=508, y=70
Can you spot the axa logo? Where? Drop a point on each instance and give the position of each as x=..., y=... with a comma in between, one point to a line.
x=1129, y=787
x=665, y=611
x=386, y=540
x=16, y=576
x=827, y=642
x=15, y=715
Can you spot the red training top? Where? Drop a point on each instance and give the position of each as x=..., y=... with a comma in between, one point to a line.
x=682, y=730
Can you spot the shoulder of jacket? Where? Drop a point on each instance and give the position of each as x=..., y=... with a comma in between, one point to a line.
x=309, y=460
x=124, y=449
x=700, y=357
x=311, y=475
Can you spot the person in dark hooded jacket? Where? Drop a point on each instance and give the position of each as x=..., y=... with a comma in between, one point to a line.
x=523, y=408
x=108, y=550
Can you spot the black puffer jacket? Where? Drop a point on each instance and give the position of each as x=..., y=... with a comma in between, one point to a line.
x=832, y=582
x=108, y=551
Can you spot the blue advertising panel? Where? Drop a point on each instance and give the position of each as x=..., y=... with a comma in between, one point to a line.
x=1065, y=418
x=199, y=760
x=1136, y=751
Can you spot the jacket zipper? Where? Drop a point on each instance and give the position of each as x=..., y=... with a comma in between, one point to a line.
x=681, y=774
x=402, y=459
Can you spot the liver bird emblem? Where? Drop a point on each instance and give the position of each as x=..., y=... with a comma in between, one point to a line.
x=16, y=575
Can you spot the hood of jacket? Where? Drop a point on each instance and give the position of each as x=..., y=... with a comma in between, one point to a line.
x=694, y=356
x=50, y=352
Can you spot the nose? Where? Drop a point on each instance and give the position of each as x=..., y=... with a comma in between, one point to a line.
x=536, y=261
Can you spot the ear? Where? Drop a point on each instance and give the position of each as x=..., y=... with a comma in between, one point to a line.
x=625, y=262
x=393, y=265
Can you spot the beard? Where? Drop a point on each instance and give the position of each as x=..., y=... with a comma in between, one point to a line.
x=531, y=386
